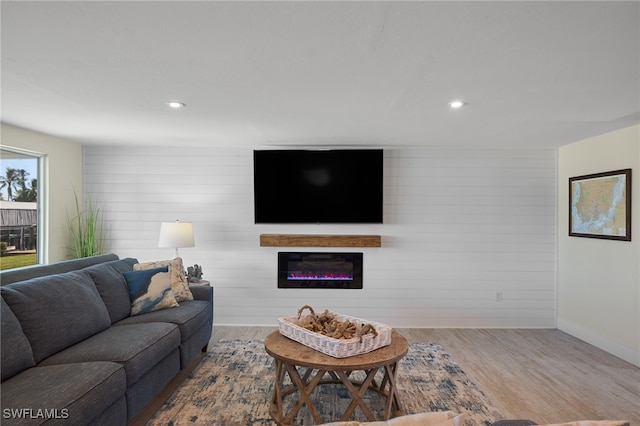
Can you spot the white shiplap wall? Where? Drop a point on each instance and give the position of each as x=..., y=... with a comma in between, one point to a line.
x=460, y=225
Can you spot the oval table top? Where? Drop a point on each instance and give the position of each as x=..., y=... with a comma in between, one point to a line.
x=291, y=352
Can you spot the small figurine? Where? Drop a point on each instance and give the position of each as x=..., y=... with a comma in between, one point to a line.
x=194, y=273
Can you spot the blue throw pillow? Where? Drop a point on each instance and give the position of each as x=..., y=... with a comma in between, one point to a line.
x=150, y=290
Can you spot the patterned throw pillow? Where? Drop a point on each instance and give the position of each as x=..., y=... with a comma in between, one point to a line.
x=179, y=283
x=150, y=290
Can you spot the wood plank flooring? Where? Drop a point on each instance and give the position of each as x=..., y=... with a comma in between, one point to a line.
x=543, y=375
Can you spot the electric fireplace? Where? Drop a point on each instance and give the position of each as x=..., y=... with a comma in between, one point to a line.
x=319, y=270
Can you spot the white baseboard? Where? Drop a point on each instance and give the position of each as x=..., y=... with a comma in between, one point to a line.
x=621, y=351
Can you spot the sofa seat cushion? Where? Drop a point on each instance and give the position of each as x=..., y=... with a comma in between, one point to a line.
x=15, y=350
x=73, y=393
x=138, y=347
x=190, y=317
x=57, y=311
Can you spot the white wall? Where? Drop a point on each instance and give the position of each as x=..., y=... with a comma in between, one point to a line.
x=599, y=280
x=459, y=226
x=63, y=173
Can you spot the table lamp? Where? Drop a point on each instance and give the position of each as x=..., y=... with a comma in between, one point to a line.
x=176, y=234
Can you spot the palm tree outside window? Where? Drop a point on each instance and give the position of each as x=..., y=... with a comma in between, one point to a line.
x=20, y=211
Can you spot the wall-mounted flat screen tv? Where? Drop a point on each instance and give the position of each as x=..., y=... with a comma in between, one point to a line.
x=318, y=186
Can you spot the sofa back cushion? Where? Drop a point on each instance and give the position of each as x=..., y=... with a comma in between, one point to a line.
x=15, y=350
x=112, y=288
x=123, y=265
x=57, y=311
x=9, y=276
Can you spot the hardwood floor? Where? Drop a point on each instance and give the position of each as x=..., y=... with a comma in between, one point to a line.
x=543, y=375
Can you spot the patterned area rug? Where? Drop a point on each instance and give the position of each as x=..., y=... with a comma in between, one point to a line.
x=234, y=382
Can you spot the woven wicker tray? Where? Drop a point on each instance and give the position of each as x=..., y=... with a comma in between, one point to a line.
x=337, y=348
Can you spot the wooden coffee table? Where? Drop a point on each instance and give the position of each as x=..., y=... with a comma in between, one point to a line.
x=308, y=368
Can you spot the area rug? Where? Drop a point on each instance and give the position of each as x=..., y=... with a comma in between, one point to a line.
x=233, y=385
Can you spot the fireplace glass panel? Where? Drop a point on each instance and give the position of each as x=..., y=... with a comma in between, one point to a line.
x=319, y=270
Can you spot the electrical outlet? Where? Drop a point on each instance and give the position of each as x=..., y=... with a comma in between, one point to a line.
x=498, y=295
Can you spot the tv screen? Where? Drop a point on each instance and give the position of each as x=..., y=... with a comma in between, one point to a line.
x=318, y=186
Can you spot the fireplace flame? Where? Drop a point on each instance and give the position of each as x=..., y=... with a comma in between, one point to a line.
x=331, y=276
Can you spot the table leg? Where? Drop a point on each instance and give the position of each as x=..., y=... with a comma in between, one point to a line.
x=276, y=399
x=392, y=403
x=310, y=379
x=357, y=394
x=305, y=389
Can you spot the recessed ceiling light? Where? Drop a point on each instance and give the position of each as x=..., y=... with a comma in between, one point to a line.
x=457, y=104
x=175, y=104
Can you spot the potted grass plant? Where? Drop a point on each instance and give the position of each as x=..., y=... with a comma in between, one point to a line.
x=85, y=229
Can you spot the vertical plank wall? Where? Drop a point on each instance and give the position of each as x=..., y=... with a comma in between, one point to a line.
x=461, y=226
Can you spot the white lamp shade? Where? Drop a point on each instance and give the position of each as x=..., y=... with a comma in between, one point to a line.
x=176, y=234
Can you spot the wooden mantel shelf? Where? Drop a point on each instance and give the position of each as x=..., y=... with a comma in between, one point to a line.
x=298, y=240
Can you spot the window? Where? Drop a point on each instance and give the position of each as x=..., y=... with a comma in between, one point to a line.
x=20, y=208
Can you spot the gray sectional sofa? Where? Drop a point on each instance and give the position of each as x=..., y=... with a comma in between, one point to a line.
x=73, y=355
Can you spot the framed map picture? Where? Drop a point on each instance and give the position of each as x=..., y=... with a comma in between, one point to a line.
x=600, y=205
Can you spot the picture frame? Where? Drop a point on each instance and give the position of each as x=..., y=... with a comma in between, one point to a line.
x=600, y=205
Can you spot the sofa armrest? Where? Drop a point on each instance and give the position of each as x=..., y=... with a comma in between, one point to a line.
x=202, y=292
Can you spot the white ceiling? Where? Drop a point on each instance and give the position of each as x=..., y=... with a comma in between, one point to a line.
x=321, y=73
